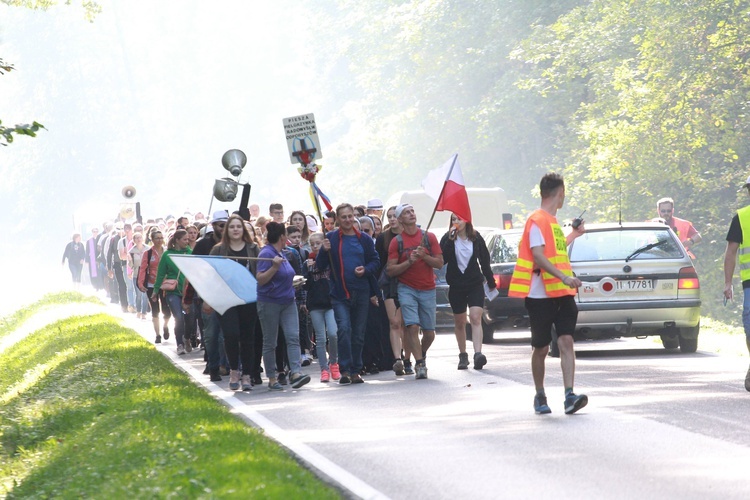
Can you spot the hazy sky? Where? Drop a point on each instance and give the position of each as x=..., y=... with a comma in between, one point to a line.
x=151, y=94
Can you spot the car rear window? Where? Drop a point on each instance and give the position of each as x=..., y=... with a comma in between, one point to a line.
x=503, y=248
x=619, y=243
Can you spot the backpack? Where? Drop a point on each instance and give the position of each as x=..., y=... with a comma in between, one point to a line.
x=385, y=281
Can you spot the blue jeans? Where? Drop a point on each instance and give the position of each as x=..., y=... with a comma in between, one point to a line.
x=175, y=305
x=271, y=317
x=130, y=287
x=324, y=321
x=212, y=339
x=351, y=320
x=141, y=299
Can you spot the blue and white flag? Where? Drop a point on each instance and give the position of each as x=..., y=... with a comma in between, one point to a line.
x=221, y=282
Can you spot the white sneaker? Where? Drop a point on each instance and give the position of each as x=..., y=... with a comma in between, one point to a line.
x=180, y=350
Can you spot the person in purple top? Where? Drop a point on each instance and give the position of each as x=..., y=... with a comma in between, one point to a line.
x=277, y=307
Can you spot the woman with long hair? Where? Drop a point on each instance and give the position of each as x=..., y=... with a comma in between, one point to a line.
x=468, y=261
x=299, y=220
x=147, y=278
x=178, y=245
x=390, y=296
x=238, y=323
x=277, y=307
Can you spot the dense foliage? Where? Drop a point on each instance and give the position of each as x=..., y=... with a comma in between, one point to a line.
x=631, y=100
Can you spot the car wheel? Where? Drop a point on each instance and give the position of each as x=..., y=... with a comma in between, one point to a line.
x=689, y=339
x=468, y=331
x=670, y=341
x=488, y=333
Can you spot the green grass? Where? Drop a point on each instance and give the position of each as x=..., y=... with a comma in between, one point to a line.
x=9, y=323
x=88, y=409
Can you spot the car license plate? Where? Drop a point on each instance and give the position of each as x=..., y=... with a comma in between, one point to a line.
x=635, y=285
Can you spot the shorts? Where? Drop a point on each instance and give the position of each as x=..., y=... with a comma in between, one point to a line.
x=388, y=295
x=461, y=297
x=417, y=306
x=543, y=313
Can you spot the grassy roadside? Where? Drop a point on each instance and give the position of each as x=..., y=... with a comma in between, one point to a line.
x=9, y=323
x=88, y=409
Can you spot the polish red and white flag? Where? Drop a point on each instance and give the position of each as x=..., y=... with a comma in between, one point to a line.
x=446, y=186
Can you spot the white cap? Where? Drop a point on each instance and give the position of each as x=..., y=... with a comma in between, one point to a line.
x=401, y=208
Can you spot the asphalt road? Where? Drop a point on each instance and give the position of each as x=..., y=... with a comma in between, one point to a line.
x=659, y=424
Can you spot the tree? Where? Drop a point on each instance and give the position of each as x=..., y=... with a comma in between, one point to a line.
x=91, y=9
x=663, y=112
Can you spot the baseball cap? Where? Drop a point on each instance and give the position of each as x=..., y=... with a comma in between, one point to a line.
x=400, y=208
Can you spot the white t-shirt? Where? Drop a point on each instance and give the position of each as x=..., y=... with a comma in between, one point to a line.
x=464, y=251
x=536, y=239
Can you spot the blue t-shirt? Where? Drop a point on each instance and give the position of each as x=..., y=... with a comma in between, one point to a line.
x=279, y=290
x=354, y=256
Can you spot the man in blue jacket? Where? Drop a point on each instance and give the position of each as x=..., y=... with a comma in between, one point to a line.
x=353, y=260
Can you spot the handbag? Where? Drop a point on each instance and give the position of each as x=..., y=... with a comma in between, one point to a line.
x=170, y=284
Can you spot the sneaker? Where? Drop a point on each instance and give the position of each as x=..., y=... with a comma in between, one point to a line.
x=166, y=332
x=747, y=380
x=335, y=372
x=479, y=360
x=298, y=380
x=131, y=309
x=282, y=379
x=247, y=384
x=345, y=379
x=158, y=339
x=274, y=386
x=407, y=368
x=305, y=360
x=540, y=405
x=357, y=379
x=234, y=380
x=574, y=403
x=188, y=347
x=256, y=380
x=421, y=371
x=373, y=369
x=398, y=367
x=463, y=360
x=180, y=350
x=215, y=376
x=325, y=376
x=224, y=371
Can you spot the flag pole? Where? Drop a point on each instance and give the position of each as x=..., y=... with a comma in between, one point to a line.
x=450, y=171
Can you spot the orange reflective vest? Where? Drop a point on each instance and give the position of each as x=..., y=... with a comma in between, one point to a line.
x=520, y=283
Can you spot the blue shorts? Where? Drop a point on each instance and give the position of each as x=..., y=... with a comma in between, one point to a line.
x=417, y=306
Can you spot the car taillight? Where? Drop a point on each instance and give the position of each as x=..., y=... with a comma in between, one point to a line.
x=502, y=281
x=687, y=279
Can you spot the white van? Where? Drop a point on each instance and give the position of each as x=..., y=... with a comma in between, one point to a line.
x=487, y=208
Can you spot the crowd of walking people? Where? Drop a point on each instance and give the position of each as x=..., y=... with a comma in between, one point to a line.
x=367, y=303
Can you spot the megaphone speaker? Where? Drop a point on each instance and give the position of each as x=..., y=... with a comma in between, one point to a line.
x=234, y=161
x=128, y=192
